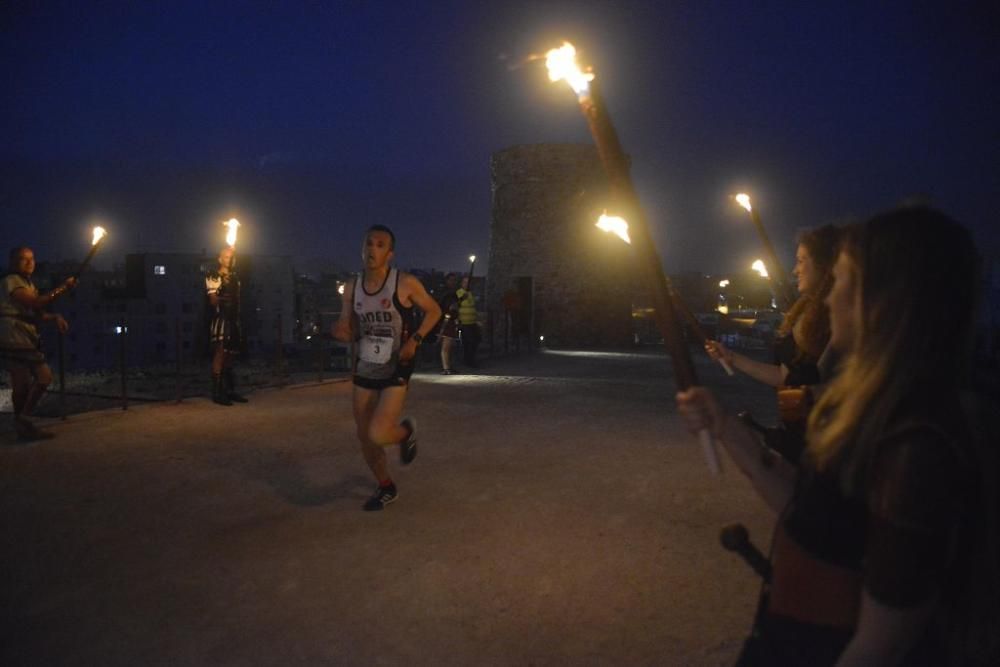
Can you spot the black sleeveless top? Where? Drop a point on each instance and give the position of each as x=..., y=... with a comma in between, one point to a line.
x=802, y=368
x=900, y=532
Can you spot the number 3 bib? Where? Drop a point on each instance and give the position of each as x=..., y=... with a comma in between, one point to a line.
x=376, y=349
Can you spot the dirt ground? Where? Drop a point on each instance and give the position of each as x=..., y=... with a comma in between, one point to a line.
x=557, y=514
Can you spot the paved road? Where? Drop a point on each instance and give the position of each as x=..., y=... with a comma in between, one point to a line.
x=556, y=514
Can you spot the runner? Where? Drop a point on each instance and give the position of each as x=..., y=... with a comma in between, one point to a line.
x=378, y=315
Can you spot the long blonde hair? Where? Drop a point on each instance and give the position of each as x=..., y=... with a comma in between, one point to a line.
x=903, y=260
x=907, y=353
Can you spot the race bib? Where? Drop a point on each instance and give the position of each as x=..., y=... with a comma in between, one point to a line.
x=376, y=349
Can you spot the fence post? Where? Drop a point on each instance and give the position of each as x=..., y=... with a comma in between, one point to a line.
x=62, y=376
x=177, y=348
x=321, y=346
x=490, y=321
x=121, y=360
x=279, y=356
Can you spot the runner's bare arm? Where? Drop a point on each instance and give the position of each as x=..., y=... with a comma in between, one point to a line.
x=342, y=327
x=412, y=290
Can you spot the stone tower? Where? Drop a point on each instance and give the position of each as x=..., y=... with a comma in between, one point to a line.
x=574, y=281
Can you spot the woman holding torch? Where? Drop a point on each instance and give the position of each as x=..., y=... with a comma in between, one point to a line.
x=223, y=289
x=21, y=311
x=886, y=547
x=801, y=339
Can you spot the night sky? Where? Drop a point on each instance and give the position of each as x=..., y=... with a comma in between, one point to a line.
x=311, y=121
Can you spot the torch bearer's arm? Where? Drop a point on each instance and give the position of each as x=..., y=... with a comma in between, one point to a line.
x=36, y=301
x=772, y=476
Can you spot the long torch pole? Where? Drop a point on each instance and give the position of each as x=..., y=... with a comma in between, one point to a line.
x=99, y=235
x=616, y=165
x=695, y=325
x=783, y=293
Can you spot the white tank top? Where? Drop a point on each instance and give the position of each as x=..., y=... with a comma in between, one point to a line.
x=383, y=323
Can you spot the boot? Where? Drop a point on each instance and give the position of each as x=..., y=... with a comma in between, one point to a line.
x=219, y=391
x=28, y=432
x=231, y=387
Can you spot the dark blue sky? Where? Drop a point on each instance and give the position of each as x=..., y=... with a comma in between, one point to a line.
x=310, y=121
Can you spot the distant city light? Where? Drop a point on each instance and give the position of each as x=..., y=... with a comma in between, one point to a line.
x=541, y=338
x=723, y=283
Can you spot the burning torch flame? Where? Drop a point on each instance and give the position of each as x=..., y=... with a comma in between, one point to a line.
x=233, y=224
x=562, y=64
x=472, y=258
x=758, y=266
x=744, y=200
x=99, y=233
x=616, y=225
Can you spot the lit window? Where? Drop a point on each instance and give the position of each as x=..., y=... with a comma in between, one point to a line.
x=159, y=270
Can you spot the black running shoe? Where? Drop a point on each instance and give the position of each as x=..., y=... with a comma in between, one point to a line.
x=408, y=448
x=383, y=496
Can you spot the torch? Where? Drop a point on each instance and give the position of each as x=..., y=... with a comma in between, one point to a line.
x=472, y=267
x=619, y=227
x=562, y=64
x=232, y=226
x=782, y=291
x=99, y=234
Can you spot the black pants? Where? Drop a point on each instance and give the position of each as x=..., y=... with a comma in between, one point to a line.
x=470, y=342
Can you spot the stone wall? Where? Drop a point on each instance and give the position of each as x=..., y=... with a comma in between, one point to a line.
x=546, y=201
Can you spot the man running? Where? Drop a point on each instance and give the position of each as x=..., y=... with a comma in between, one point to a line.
x=378, y=314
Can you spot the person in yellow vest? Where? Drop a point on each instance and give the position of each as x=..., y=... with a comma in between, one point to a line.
x=468, y=326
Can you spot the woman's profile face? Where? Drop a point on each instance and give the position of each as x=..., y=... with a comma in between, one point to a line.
x=844, y=303
x=805, y=271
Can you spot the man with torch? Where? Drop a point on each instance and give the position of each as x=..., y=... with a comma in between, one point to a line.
x=468, y=318
x=562, y=65
x=22, y=309
x=378, y=314
x=223, y=289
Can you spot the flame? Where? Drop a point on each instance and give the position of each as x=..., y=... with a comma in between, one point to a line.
x=723, y=283
x=562, y=64
x=472, y=258
x=99, y=233
x=743, y=200
x=233, y=224
x=758, y=266
x=614, y=224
